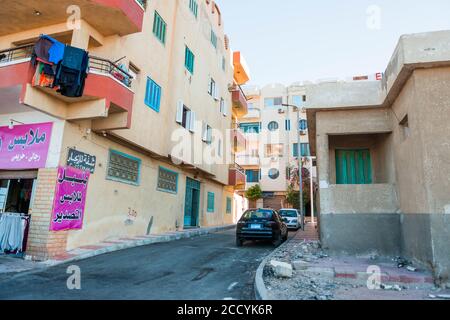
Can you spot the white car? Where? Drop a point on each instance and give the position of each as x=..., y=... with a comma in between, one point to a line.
x=292, y=218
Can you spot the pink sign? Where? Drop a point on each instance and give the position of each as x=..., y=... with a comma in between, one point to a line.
x=70, y=199
x=25, y=146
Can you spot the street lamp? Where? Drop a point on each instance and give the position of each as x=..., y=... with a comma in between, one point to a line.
x=300, y=162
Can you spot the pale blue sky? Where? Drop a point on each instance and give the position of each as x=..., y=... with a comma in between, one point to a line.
x=293, y=40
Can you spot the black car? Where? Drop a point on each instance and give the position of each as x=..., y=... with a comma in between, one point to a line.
x=261, y=224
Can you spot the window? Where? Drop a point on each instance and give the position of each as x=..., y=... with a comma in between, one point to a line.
x=250, y=127
x=273, y=102
x=223, y=109
x=189, y=60
x=252, y=176
x=123, y=168
x=298, y=100
x=207, y=134
x=304, y=149
x=273, y=125
x=214, y=39
x=224, y=64
x=287, y=125
x=167, y=180
x=185, y=117
x=193, y=5
x=274, y=150
x=211, y=201
x=353, y=167
x=212, y=87
x=153, y=95
x=159, y=28
x=303, y=125
x=229, y=205
x=274, y=174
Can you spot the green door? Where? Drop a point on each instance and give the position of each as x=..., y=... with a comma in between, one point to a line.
x=353, y=166
x=192, y=203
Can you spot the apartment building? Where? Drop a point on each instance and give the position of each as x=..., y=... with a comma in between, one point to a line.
x=272, y=153
x=382, y=152
x=118, y=160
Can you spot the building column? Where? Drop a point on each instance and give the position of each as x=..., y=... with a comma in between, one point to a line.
x=44, y=244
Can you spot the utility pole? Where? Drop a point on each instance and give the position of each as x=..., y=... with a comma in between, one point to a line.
x=300, y=162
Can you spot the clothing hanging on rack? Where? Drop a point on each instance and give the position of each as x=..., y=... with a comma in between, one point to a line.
x=13, y=228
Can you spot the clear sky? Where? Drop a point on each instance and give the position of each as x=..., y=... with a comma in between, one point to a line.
x=294, y=40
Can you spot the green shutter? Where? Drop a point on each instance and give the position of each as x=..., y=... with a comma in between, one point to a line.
x=229, y=202
x=210, y=202
x=353, y=167
x=159, y=28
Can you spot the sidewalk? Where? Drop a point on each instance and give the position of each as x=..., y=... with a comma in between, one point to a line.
x=320, y=276
x=9, y=264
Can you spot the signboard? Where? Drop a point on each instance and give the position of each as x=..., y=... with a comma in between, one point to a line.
x=81, y=160
x=25, y=146
x=70, y=199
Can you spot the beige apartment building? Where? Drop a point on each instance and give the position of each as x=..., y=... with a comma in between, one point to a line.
x=383, y=150
x=272, y=153
x=161, y=76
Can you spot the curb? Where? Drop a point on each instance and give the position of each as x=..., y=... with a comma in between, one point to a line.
x=261, y=292
x=164, y=238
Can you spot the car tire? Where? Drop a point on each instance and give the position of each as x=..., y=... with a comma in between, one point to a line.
x=278, y=241
x=239, y=242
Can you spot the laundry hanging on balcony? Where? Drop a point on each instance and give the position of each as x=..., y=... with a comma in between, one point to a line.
x=61, y=67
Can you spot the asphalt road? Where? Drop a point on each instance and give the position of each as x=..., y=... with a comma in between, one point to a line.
x=203, y=268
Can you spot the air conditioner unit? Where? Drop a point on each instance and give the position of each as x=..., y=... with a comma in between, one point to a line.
x=281, y=111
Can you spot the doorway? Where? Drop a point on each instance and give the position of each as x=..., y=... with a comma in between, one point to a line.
x=15, y=195
x=192, y=203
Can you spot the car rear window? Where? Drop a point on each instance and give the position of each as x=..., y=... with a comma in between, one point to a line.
x=257, y=215
x=288, y=213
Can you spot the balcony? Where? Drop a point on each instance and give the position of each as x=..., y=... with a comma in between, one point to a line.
x=239, y=100
x=109, y=17
x=236, y=176
x=107, y=98
x=241, y=70
x=239, y=141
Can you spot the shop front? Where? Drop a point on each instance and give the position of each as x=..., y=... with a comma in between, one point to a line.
x=23, y=151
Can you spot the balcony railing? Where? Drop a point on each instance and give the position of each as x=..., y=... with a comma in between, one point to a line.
x=97, y=64
x=16, y=54
x=106, y=66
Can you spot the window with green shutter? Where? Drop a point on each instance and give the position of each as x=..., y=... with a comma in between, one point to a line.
x=353, y=166
x=153, y=95
x=229, y=205
x=159, y=28
x=214, y=39
x=189, y=60
x=210, y=201
x=193, y=5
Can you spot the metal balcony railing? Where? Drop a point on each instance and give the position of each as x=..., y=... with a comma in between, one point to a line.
x=16, y=54
x=106, y=66
x=238, y=168
x=98, y=64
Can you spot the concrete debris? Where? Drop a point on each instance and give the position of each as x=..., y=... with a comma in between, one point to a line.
x=412, y=269
x=432, y=296
x=395, y=287
x=281, y=269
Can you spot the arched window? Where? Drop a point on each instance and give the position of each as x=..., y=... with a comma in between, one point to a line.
x=303, y=124
x=273, y=125
x=274, y=173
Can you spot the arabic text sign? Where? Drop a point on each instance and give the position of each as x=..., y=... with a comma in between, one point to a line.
x=81, y=160
x=25, y=146
x=70, y=199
